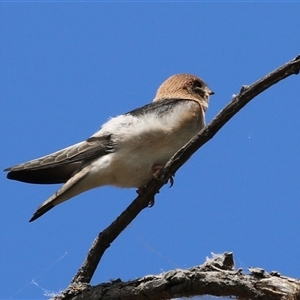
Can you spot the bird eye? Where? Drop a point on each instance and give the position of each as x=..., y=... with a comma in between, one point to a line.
x=198, y=84
x=199, y=88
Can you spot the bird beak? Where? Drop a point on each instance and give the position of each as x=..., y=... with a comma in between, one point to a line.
x=211, y=92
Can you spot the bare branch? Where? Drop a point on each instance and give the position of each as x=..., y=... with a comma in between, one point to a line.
x=107, y=236
x=215, y=277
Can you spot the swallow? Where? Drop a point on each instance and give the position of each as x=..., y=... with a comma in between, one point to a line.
x=128, y=150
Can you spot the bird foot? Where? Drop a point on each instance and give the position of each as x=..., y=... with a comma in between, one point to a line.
x=156, y=170
x=141, y=190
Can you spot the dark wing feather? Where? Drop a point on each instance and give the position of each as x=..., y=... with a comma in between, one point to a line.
x=50, y=175
x=58, y=167
x=160, y=107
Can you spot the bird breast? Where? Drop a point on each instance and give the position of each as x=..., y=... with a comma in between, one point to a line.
x=149, y=140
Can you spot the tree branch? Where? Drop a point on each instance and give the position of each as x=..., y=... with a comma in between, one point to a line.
x=107, y=236
x=215, y=277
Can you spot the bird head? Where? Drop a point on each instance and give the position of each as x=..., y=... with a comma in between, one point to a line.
x=184, y=86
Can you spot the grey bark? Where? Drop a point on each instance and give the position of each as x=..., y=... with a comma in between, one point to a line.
x=216, y=277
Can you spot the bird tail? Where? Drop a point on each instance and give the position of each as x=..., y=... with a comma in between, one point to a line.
x=74, y=186
x=42, y=210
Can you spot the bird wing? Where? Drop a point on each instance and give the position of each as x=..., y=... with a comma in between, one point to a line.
x=159, y=108
x=59, y=166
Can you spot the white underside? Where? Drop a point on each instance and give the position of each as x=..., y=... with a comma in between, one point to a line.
x=140, y=144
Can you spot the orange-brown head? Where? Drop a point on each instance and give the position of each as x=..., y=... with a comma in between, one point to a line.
x=185, y=86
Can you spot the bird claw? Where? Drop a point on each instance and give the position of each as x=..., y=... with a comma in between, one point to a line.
x=171, y=179
x=141, y=190
x=151, y=203
x=156, y=170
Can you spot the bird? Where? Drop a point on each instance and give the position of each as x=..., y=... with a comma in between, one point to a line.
x=128, y=150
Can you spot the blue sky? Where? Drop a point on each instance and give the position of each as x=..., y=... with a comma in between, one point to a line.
x=67, y=67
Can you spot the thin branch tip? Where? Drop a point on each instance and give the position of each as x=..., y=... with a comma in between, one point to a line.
x=296, y=68
x=297, y=58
